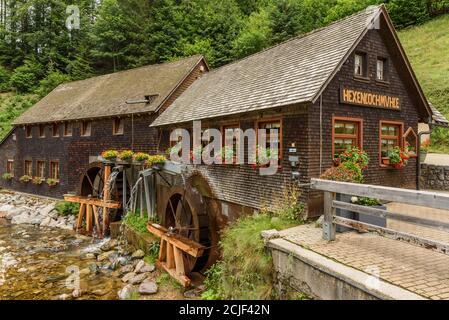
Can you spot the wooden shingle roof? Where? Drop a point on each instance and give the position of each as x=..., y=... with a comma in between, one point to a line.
x=293, y=72
x=106, y=96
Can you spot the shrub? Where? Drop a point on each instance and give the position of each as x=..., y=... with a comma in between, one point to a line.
x=66, y=208
x=4, y=79
x=126, y=155
x=110, y=154
x=51, y=81
x=25, y=179
x=26, y=77
x=7, y=176
x=353, y=155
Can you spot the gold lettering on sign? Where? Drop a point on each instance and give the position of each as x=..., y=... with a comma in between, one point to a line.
x=369, y=99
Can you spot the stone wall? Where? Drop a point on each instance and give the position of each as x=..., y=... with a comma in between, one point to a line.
x=435, y=177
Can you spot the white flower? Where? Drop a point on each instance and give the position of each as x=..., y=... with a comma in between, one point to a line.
x=354, y=199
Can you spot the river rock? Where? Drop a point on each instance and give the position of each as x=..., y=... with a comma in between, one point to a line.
x=23, y=218
x=148, y=287
x=138, y=254
x=128, y=276
x=108, y=246
x=93, y=268
x=47, y=210
x=138, y=279
x=106, y=255
x=143, y=267
x=6, y=208
x=126, y=269
x=45, y=222
x=126, y=292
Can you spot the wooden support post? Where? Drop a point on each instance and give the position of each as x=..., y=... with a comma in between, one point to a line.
x=329, y=229
x=89, y=227
x=80, y=216
x=163, y=251
x=170, y=256
x=179, y=261
x=147, y=196
x=142, y=205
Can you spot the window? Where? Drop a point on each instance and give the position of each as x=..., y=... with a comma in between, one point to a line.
x=347, y=133
x=68, y=129
x=54, y=170
x=10, y=167
x=41, y=131
x=267, y=126
x=231, y=130
x=28, y=168
x=55, y=130
x=41, y=169
x=360, y=65
x=118, y=126
x=28, y=132
x=86, y=128
x=411, y=142
x=381, y=69
x=390, y=137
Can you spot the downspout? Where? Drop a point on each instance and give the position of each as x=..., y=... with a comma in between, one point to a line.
x=321, y=134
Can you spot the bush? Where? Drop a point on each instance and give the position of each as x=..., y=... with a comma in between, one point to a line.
x=7, y=176
x=50, y=82
x=66, y=208
x=26, y=77
x=4, y=79
x=341, y=174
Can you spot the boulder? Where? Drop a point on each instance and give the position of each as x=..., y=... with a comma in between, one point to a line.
x=128, y=276
x=106, y=255
x=126, y=292
x=45, y=222
x=6, y=208
x=138, y=254
x=109, y=245
x=138, y=279
x=143, y=267
x=148, y=287
x=15, y=212
x=23, y=218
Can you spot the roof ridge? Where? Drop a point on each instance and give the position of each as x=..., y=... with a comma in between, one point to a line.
x=301, y=36
x=134, y=69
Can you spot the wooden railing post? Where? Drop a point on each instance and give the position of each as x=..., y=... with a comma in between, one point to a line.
x=329, y=228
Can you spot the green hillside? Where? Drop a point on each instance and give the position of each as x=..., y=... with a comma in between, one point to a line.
x=427, y=47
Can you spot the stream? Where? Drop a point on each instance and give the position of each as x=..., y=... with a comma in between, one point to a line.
x=42, y=263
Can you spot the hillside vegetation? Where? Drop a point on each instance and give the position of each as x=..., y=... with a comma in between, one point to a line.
x=427, y=47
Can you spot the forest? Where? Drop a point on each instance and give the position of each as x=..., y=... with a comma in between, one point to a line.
x=43, y=43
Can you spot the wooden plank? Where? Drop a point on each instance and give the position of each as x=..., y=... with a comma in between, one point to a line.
x=93, y=201
x=439, y=225
x=419, y=198
x=81, y=216
x=179, y=261
x=393, y=234
x=147, y=197
x=89, y=227
x=182, y=279
x=170, y=256
x=163, y=251
x=329, y=230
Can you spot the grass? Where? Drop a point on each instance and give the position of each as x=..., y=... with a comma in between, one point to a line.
x=165, y=280
x=136, y=222
x=427, y=47
x=246, y=269
x=11, y=106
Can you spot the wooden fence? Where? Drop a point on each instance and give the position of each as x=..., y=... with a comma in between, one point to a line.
x=412, y=197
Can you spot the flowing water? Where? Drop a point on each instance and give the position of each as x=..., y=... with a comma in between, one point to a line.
x=38, y=263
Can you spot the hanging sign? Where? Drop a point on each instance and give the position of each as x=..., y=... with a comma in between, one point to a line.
x=369, y=99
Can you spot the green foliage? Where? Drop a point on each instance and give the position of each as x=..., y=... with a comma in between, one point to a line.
x=7, y=176
x=25, y=179
x=368, y=202
x=136, y=222
x=52, y=182
x=11, y=106
x=165, y=280
x=341, y=173
x=66, y=208
x=246, y=269
x=51, y=81
x=343, y=8
x=26, y=77
x=408, y=12
x=4, y=79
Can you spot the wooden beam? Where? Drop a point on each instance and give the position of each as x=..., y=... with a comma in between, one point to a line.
x=393, y=234
x=97, y=221
x=419, y=198
x=163, y=251
x=93, y=201
x=374, y=212
x=182, y=279
x=329, y=230
x=179, y=261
